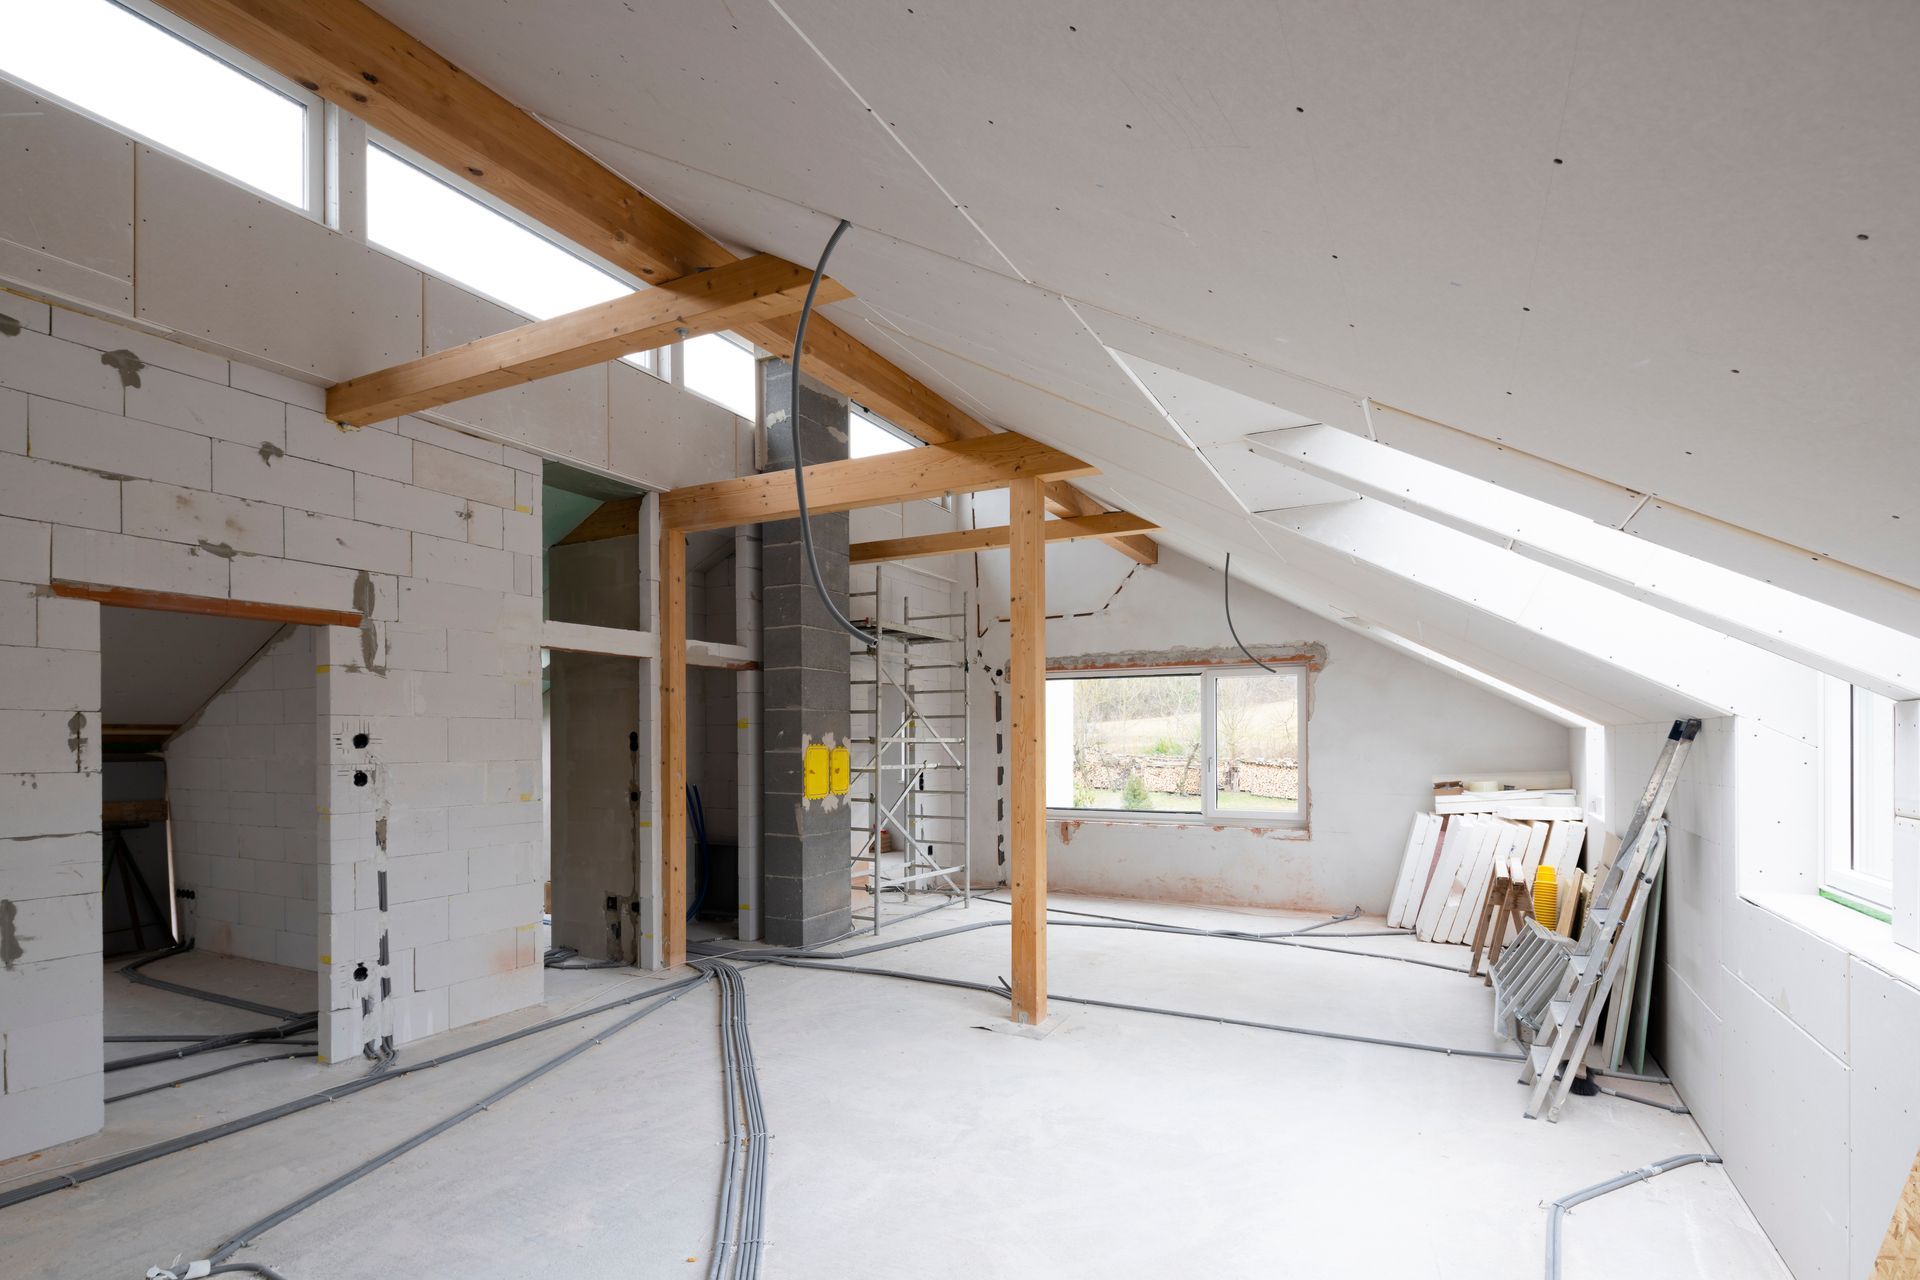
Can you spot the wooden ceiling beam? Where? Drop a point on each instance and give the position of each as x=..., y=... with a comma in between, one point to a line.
x=964, y=466
x=749, y=290
x=373, y=69
x=1105, y=525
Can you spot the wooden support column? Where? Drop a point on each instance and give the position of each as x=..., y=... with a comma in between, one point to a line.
x=673, y=747
x=1027, y=682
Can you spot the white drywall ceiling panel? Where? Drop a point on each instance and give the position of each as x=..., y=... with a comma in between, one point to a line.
x=565, y=415
x=160, y=668
x=728, y=89
x=1207, y=412
x=1315, y=401
x=1338, y=586
x=226, y=267
x=1143, y=157
x=1802, y=630
x=1046, y=414
x=1263, y=487
x=66, y=208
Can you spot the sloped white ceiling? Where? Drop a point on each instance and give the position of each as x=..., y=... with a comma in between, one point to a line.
x=1672, y=247
x=160, y=668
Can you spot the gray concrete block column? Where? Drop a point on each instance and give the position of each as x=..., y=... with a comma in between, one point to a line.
x=806, y=868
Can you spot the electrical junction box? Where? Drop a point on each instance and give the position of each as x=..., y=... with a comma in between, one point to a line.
x=813, y=775
x=841, y=771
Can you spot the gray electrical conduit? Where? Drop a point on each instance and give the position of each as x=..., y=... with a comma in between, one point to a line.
x=737, y=1234
x=1559, y=1207
x=231, y=1066
x=1130, y=926
x=248, y=1234
x=1002, y=990
x=132, y=972
x=240, y=1124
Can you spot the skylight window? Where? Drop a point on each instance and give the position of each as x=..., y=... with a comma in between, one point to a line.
x=139, y=77
x=451, y=234
x=716, y=366
x=869, y=437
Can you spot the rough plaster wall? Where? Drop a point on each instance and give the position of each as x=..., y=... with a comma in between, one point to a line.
x=1795, y=1055
x=241, y=783
x=1380, y=727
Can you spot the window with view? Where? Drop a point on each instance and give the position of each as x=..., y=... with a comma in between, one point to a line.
x=721, y=368
x=136, y=75
x=1218, y=743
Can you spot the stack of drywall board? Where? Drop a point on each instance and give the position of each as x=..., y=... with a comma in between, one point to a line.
x=1450, y=859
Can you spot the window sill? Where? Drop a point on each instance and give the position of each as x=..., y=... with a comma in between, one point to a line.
x=1279, y=826
x=1867, y=939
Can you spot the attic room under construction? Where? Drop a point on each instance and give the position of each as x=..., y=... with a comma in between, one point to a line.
x=1315, y=607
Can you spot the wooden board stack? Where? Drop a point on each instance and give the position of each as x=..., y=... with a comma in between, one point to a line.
x=1453, y=860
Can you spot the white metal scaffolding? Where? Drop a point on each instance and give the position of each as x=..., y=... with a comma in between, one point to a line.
x=911, y=786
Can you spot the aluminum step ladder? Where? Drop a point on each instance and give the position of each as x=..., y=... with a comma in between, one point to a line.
x=1577, y=979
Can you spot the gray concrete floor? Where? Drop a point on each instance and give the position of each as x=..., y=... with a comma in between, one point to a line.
x=909, y=1142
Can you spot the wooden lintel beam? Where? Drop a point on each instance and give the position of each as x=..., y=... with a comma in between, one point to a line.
x=1105, y=525
x=707, y=302
x=964, y=466
x=211, y=606
x=374, y=70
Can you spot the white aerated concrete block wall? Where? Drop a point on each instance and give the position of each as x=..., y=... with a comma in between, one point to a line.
x=364, y=801
x=50, y=993
x=240, y=780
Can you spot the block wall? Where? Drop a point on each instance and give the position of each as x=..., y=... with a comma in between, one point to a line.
x=241, y=781
x=129, y=460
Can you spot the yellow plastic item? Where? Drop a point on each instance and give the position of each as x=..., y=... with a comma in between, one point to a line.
x=840, y=771
x=813, y=775
x=1546, y=898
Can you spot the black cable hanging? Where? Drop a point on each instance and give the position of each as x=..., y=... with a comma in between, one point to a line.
x=1226, y=596
x=800, y=464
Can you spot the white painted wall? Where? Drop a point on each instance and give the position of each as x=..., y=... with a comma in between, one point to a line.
x=1790, y=1030
x=241, y=782
x=1380, y=727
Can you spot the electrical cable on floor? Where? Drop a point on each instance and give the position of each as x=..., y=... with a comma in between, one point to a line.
x=1141, y=926
x=1002, y=990
x=866, y=638
x=1226, y=597
x=1559, y=1207
x=208, y=1044
x=247, y=1235
x=231, y=1066
x=250, y=1268
x=743, y=1181
x=1678, y=1109
x=133, y=973
x=240, y=1124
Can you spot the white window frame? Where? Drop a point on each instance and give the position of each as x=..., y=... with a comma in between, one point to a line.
x=1906, y=824
x=1209, y=810
x=659, y=361
x=313, y=162
x=1853, y=812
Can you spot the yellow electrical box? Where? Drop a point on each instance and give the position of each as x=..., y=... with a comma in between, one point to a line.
x=813, y=777
x=842, y=771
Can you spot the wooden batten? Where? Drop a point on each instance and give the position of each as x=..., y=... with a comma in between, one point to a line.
x=211, y=606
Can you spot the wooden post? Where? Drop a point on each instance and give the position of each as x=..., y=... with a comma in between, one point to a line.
x=1027, y=682
x=673, y=747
